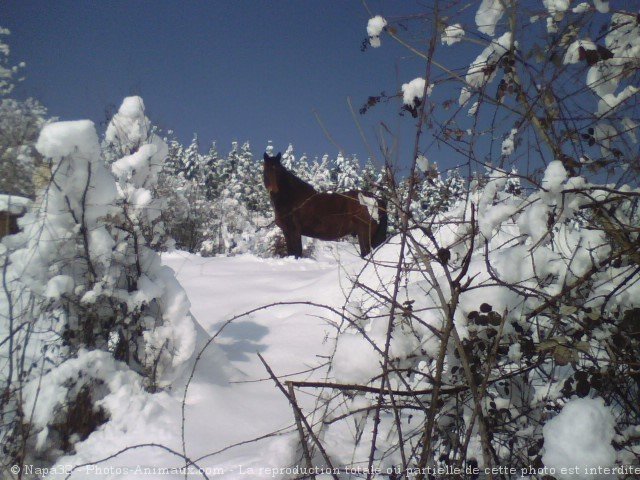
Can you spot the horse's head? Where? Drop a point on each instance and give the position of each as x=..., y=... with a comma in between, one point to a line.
x=272, y=167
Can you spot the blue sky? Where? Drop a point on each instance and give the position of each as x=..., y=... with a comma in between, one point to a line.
x=226, y=70
x=257, y=70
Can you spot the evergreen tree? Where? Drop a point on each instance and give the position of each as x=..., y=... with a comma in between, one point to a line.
x=191, y=161
x=435, y=194
x=299, y=167
x=90, y=285
x=289, y=160
x=304, y=168
x=270, y=149
x=245, y=184
x=320, y=175
x=211, y=172
x=371, y=177
x=20, y=125
x=346, y=173
x=173, y=164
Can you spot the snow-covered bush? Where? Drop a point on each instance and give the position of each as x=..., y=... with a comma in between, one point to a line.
x=82, y=275
x=488, y=329
x=502, y=319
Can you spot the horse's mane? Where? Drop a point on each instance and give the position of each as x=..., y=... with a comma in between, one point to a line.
x=295, y=183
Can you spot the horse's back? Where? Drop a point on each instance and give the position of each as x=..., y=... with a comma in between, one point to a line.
x=329, y=216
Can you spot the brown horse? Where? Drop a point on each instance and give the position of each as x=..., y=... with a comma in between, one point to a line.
x=301, y=210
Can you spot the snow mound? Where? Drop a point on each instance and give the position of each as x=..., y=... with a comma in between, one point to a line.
x=64, y=138
x=580, y=436
x=14, y=204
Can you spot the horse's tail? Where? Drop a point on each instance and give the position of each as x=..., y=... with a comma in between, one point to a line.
x=381, y=232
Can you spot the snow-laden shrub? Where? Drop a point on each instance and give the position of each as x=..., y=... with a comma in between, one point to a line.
x=512, y=314
x=82, y=275
x=72, y=400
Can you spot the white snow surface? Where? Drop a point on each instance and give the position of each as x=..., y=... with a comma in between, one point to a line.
x=225, y=404
x=60, y=139
x=14, y=204
x=580, y=436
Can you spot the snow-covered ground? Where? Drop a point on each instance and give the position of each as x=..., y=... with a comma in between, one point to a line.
x=231, y=401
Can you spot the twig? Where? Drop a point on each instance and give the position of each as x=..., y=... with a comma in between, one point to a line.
x=301, y=416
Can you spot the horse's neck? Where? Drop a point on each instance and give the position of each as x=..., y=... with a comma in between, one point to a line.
x=296, y=188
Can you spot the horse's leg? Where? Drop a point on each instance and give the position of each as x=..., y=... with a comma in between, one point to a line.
x=364, y=239
x=294, y=242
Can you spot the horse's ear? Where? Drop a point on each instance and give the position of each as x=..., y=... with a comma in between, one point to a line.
x=278, y=157
x=266, y=157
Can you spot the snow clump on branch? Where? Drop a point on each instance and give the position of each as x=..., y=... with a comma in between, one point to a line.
x=414, y=89
x=374, y=29
x=488, y=16
x=452, y=34
x=483, y=69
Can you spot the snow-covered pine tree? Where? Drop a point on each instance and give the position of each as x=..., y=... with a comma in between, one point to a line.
x=246, y=181
x=192, y=184
x=20, y=125
x=192, y=160
x=131, y=133
x=436, y=195
x=289, y=159
x=303, y=167
x=213, y=173
x=371, y=177
x=346, y=173
x=270, y=149
x=243, y=205
x=320, y=175
x=173, y=164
